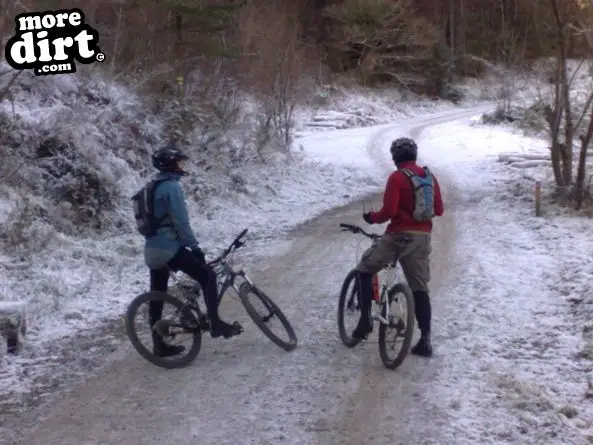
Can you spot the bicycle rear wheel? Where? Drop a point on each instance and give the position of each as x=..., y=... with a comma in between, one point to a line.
x=248, y=292
x=402, y=325
x=348, y=304
x=183, y=322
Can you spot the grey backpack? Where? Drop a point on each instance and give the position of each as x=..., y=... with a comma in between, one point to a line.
x=146, y=223
x=423, y=189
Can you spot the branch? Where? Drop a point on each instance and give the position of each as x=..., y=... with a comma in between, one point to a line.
x=587, y=105
x=11, y=174
x=576, y=71
x=560, y=25
x=4, y=93
x=586, y=139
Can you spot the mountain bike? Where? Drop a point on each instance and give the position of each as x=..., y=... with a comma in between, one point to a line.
x=190, y=319
x=391, y=292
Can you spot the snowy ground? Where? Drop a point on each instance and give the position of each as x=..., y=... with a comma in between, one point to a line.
x=518, y=363
x=511, y=362
x=512, y=327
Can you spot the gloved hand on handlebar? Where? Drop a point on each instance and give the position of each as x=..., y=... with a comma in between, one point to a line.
x=367, y=218
x=199, y=254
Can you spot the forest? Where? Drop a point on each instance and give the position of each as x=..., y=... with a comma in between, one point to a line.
x=205, y=53
x=419, y=44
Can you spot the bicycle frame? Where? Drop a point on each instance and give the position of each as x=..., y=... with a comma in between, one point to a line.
x=224, y=270
x=228, y=277
x=380, y=290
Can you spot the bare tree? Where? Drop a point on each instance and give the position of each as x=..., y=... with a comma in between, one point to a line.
x=274, y=57
x=561, y=150
x=585, y=30
x=566, y=119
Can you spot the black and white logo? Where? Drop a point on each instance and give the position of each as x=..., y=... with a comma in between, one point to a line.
x=50, y=42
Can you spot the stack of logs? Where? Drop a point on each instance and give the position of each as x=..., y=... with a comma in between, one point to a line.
x=520, y=160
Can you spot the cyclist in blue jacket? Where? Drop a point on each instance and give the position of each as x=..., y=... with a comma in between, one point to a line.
x=175, y=247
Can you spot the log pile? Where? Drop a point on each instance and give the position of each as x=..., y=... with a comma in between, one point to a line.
x=520, y=160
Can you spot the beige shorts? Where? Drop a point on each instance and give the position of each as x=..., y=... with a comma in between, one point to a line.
x=413, y=250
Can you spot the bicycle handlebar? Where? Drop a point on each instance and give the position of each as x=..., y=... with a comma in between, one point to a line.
x=236, y=244
x=355, y=229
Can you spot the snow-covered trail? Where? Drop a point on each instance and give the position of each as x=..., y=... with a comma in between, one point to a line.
x=247, y=391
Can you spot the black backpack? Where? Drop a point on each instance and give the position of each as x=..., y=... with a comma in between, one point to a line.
x=146, y=223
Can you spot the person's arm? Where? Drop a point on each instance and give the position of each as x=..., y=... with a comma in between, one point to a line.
x=180, y=218
x=390, y=201
x=439, y=207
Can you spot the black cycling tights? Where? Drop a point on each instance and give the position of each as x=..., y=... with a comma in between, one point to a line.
x=423, y=311
x=187, y=263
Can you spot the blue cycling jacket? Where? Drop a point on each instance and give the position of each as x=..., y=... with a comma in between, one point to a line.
x=175, y=231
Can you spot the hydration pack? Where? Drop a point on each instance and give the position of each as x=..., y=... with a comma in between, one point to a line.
x=143, y=201
x=423, y=189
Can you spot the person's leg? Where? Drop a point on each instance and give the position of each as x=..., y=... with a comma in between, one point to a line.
x=159, y=280
x=373, y=260
x=416, y=267
x=186, y=262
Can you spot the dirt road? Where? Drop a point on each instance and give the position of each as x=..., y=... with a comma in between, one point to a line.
x=246, y=390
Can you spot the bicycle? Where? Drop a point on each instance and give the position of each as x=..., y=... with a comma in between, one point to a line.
x=193, y=320
x=391, y=291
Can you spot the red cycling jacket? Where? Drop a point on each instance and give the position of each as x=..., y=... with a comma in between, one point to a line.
x=398, y=203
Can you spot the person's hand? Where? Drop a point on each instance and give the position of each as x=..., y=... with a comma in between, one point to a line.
x=199, y=254
x=367, y=217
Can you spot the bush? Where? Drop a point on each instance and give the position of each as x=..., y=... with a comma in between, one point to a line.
x=500, y=116
x=532, y=119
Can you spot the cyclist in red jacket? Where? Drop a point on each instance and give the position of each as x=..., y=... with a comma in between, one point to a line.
x=412, y=199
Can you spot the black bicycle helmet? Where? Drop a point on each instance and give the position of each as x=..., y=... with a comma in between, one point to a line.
x=404, y=150
x=167, y=159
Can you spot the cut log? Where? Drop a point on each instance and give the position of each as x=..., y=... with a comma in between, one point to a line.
x=531, y=164
x=15, y=266
x=13, y=324
x=515, y=157
x=327, y=124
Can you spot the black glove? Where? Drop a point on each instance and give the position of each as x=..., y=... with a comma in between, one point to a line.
x=367, y=218
x=199, y=254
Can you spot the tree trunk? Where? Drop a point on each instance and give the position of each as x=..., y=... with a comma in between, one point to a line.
x=580, y=183
x=554, y=118
x=564, y=90
x=568, y=123
x=556, y=163
x=452, y=26
x=461, y=30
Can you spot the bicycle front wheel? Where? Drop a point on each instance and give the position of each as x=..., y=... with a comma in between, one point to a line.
x=400, y=326
x=349, y=307
x=252, y=295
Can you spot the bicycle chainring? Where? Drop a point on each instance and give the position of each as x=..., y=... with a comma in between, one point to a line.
x=188, y=319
